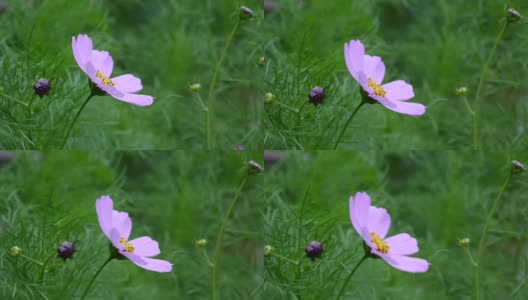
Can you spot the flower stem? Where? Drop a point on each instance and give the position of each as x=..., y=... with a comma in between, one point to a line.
x=213, y=82
x=481, y=82
x=75, y=120
x=286, y=106
x=285, y=258
x=483, y=237
x=43, y=271
x=220, y=236
x=95, y=276
x=202, y=105
x=346, y=125
x=32, y=260
x=342, y=290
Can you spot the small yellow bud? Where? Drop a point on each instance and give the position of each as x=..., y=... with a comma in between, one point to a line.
x=195, y=87
x=201, y=243
x=15, y=251
x=267, y=250
x=268, y=98
x=462, y=91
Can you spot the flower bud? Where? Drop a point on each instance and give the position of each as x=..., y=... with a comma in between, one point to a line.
x=268, y=98
x=464, y=242
x=195, y=87
x=314, y=249
x=246, y=13
x=512, y=15
x=66, y=250
x=316, y=95
x=239, y=148
x=461, y=91
x=15, y=251
x=254, y=167
x=267, y=250
x=261, y=60
x=42, y=87
x=517, y=167
x=201, y=243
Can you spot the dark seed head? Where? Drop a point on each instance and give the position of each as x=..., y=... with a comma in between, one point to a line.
x=316, y=95
x=66, y=250
x=513, y=15
x=314, y=249
x=42, y=87
x=517, y=167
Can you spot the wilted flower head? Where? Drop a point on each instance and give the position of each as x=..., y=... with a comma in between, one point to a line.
x=15, y=251
x=513, y=15
x=254, y=167
x=117, y=226
x=369, y=72
x=314, y=249
x=195, y=87
x=461, y=91
x=66, y=250
x=98, y=65
x=517, y=167
x=201, y=243
x=42, y=87
x=316, y=95
x=372, y=224
x=246, y=12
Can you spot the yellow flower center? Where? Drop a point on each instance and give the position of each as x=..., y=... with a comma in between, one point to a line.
x=128, y=246
x=378, y=90
x=108, y=81
x=379, y=242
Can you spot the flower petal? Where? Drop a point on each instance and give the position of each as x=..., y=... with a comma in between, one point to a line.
x=122, y=223
x=398, y=90
x=137, y=99
x=127, y=83
x=145, y=246
x=379, y=221
x=103, y=62
x=84, y=48
x=354, y=53
x=115, y=238
x=359, y=208
x=406, y=263
x=156, y=265
x=104, y=207
x=408, y=108
x=402, y=244
x=374, y=68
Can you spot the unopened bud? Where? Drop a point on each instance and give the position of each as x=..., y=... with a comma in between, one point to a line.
x=268, y=98
x=254, y=167
x=517, y=167
x=195, y=87
x=267, y=250
x=461, y=91
x=201, y=243
x=42, y=87
x=316, y=95
x=15, y=251
x=66, y=250
x=464, y=242
x=513, y=15
x=314, y=249
x=261, y=60
x=246, y=13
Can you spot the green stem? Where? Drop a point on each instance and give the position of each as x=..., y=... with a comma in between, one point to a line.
x=350, y=276
x=346, y=125
x=481, y=82
x=31, y=259
x=213, y=82
x=95, y=276
x=43, y=271
x=285, y=258
x=14, y=99
x=201, y=102
x=207, y=259
x=286, y=106
x=75, y=120
x=299, y=111
x=473, y=120
x=220, y=237
x=483, y=237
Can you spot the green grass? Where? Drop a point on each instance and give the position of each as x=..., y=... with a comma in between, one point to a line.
x=436, y=196
x=168, y=44
x=174, y=197
x=437, y=46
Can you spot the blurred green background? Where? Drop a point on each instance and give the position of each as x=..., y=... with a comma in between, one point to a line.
x=174, y=197
x=436, y=196
x=169, y=44
x=437, y=46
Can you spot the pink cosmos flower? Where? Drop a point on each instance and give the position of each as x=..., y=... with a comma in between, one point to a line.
x=98, y=66
x=117, y=226
x=369, y=71
x=372, y=224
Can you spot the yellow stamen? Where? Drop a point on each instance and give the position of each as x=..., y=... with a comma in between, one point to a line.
x=378, y=89
x=105, y=79
x=379, y=242
x=128, y=246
